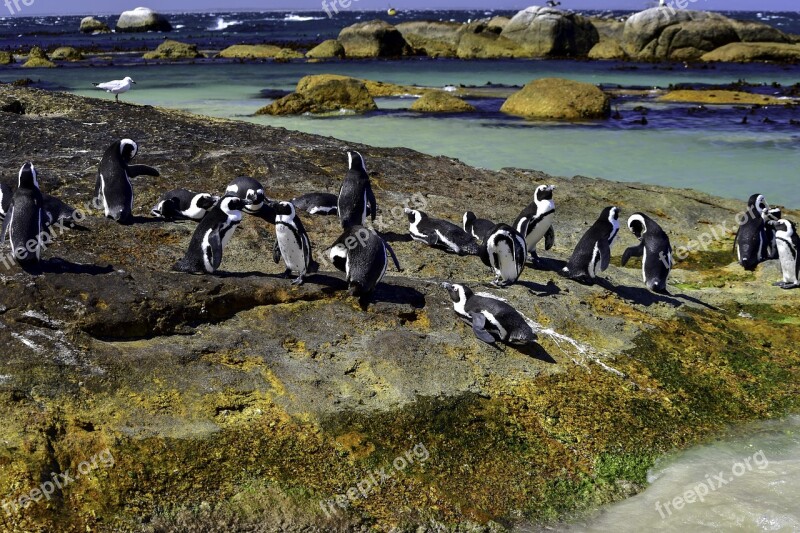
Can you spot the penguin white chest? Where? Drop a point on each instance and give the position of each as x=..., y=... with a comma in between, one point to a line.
x=291, y=249
x=507, y=267
x=537, y=233
x=788, y=262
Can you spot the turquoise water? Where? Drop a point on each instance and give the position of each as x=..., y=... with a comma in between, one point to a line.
x=710, y=151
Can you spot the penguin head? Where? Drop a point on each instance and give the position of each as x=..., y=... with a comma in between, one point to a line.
x=356, y=161
x=759, y=203
x=165, y=208
x=284, y=210
x=637, y=224
x=459, y=294
x=231, y=204
x=248, y=189
x=611, y=214
x=783, y=228
x=413, y=215
x=774, y=213
x=204, y=200
x=28, y=177
x=544, y=193
x=128, y=149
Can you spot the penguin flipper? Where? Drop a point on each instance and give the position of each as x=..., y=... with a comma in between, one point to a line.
x=373, y=204
x=633, y=251
x=605, y=254
x=549, y=238
x=479, y=328
x=142, y=170
x=6, y=223
x=276, y=252
x=394, y=257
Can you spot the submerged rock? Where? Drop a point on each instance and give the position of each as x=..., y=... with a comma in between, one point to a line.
x=66, y=53
x=714, y=96
x=323, y=94
x=748, y=52
x=560, y=99
x=374, y=38
x=173, y=50
x=92, y=25
x=327, y=50
x=259, y=51
x=441, y=102
x=142, y=19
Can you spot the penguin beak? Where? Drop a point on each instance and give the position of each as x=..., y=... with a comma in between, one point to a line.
x=447, y=286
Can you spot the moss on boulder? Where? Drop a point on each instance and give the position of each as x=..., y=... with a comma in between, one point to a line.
x=6, y=58
x=37, y=58
x=259, y=51
x=327, y=50
x=323, y=93
x=560, y=99
x=66, y=53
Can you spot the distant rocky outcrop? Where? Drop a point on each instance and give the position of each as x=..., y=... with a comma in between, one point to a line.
x=92, y=25
x=66, y=53
x=747, y=52
x=142, y=19
x=173, y=50
x=323, y=93
x=434, y=39
x=329, y=49
x=37, y=58
x=546, y=31
x=6, y=58
x=559, y=99
x=441, y=102
x=259, y=51
x=374, y=38
x=489, y=45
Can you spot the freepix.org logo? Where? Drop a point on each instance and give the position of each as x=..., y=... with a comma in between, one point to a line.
x=15, y=6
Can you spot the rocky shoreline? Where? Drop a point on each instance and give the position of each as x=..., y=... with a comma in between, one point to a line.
x=237, y=401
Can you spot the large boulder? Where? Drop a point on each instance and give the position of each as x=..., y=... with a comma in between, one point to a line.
x=6, y=58
x=488, y=45
x=172, y=50
x=323, y=93
x=259, y=51
x=758, y=32
x=434, y=39
x=374, y=38
x=441, y=102
x=547, y=31
x=327, y=50
x=92, y=25
x=142, y=19
x=66, y=53
x=607, y=49
x=37, y=58
x=747, y=52
x=558, y=98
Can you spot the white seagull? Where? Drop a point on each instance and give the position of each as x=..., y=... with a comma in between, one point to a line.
x=116, y=87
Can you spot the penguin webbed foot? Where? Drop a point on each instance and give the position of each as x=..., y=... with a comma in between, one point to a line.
x=780, y=284
x=787, y=286
x=299, y=281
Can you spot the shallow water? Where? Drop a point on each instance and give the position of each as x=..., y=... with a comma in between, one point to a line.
x=746, y=483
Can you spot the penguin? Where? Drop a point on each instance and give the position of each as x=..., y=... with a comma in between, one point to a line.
x=477, y=227
x=183, y=204
x=356, y=198
x=771, y=215
x=654, y=249
x=5, y=200
x=252, y=192
x=536, y=220
x=212, y=236
x=491, y=318
x=440, y=233
x=788, y=244
x=57, y=212
x=317, y=203
x=113, y=190
x=504, y=251
x=292, y=243
x=593, y=252
x=751, y=237
x=363, y=256
x=24, y=222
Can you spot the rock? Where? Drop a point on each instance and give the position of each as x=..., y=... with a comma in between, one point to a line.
x=560, y=99
x=488, y=45
x=714, y=96
x=6, y=58
x=546, y=31
x=259, y=51
x=607, y=49
x=37, y=58
x=327, y=50
x=758, y=32
x=92, y=25
x=374, y=38
x=66, y=53
x=434, y=39
x=323, y=94
x=173, y=50
x=441, y=102
x=142, y=19
x=747, y=52
x=497, y=24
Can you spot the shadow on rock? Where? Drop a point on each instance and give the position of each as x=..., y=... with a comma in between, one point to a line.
x=537, y=289
x=638, y=295
x=548, y=264
x=62, y=266
x=392, y=236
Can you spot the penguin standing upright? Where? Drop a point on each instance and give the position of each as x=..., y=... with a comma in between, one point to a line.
x=363, y=256
x=211, y=237
x=292, y=243
x=788, y=245
x=654, y=249
x=771, y=215
x=183, y=204
x=477, y=227
x=536, y=220
x=113, y=190
x=356, y=198
x=440, y=233
x=751, y=241
x=504, y=251
x=24, y=221
x=593, y=252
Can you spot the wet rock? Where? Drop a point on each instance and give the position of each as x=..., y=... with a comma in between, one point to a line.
x=327, y=50
x=323, y=94
x=6, y=58
x=92, y=25
x=720, y=97
x=259, y=51
x=441, y=102
x=748, y=52
x=560, y=99
x=374, y=38
x=173, y=50
x=66, y=53
x=37, y=58
x=547, y=31
x=142, y=19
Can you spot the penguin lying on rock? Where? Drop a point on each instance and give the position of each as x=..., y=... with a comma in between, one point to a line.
x=183, y=204
x=440, y=233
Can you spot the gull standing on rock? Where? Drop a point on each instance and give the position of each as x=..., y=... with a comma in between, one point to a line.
x=116, y=87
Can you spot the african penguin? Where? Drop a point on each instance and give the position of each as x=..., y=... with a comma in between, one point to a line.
x=211, y=236
x=356, y=198
x=440, y=233
x=292, y=243
x=771, y=215
x=653, y=248
x=536, y=220
x=593, y=252
x=491, y=318
x=252, y=192
x=183, y=204
x=24, y=222
x=477, y=227
x=788, y=244
x=113, y=190
x=317, y=203
x=363, y=256
x=5, y=200
x=751, y=238
x=504, y=251
x=54, y=210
